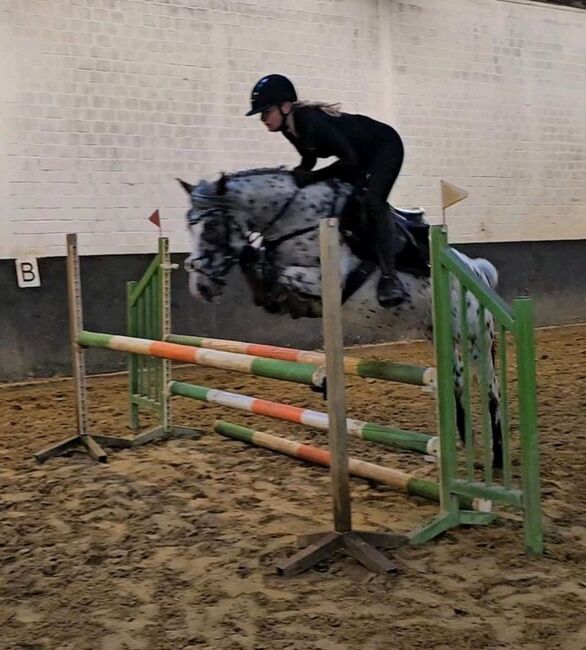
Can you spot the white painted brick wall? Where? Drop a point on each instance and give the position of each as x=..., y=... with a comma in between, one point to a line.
x=104, y=102
x=115, y=98
x=491, y=95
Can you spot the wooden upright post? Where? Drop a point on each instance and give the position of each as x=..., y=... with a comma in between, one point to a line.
x=361, y=545
x=334, y=349
x=92, y=443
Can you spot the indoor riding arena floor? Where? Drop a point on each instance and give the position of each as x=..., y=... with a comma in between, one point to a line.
x=173, y=545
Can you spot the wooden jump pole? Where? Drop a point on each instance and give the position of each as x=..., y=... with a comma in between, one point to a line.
x=301, y=373
x=370, y=431
x=385, y=475
x=387, y=370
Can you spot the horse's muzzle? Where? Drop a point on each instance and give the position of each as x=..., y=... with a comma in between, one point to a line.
x=201, y=288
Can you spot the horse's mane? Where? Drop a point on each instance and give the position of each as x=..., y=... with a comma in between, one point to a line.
x=258, y=171
x=267, y=171
x=214, y=192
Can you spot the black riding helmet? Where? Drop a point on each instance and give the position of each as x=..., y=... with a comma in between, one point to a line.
x=272, y=90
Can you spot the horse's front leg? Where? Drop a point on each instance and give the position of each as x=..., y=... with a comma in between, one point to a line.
x=256, y=275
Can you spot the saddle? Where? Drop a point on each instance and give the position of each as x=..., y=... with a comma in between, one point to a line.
x=411, y=231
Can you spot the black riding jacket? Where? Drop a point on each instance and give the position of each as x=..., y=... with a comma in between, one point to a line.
x=359, y=142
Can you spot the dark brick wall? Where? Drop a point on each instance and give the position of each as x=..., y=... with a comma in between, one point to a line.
x=34, y=339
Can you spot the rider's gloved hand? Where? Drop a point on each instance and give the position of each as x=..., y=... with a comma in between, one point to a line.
x=303, y=178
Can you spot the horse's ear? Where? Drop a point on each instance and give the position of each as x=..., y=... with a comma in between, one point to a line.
x=186, y=186
x=221, y=186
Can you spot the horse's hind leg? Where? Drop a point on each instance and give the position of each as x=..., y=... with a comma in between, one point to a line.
x=491, y=385
x=494, y=407
x=475, y=330
x=497, y=434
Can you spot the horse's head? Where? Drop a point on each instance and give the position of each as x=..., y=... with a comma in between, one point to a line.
x=260, y=219
x=212, y=230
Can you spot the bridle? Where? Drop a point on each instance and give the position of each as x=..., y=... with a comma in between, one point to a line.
x=259, y=248
x=197, y=263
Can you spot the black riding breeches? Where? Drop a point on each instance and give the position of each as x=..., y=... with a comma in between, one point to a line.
x=382, y=174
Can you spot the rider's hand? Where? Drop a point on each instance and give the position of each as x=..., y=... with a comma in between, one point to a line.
x=303, y=178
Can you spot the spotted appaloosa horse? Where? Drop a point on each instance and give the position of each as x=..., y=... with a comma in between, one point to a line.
x=261, y=221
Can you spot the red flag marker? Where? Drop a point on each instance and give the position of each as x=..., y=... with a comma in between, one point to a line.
x=155, y=218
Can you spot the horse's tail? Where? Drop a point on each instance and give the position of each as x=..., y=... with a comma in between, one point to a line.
x=484, y=269
x=488, y=272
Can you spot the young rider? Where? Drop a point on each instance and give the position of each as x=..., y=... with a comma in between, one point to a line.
x=370, y=155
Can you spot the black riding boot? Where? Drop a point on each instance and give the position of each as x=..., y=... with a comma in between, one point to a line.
x=390, y=290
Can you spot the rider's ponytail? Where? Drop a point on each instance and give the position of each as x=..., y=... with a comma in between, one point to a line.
x=329, y=109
